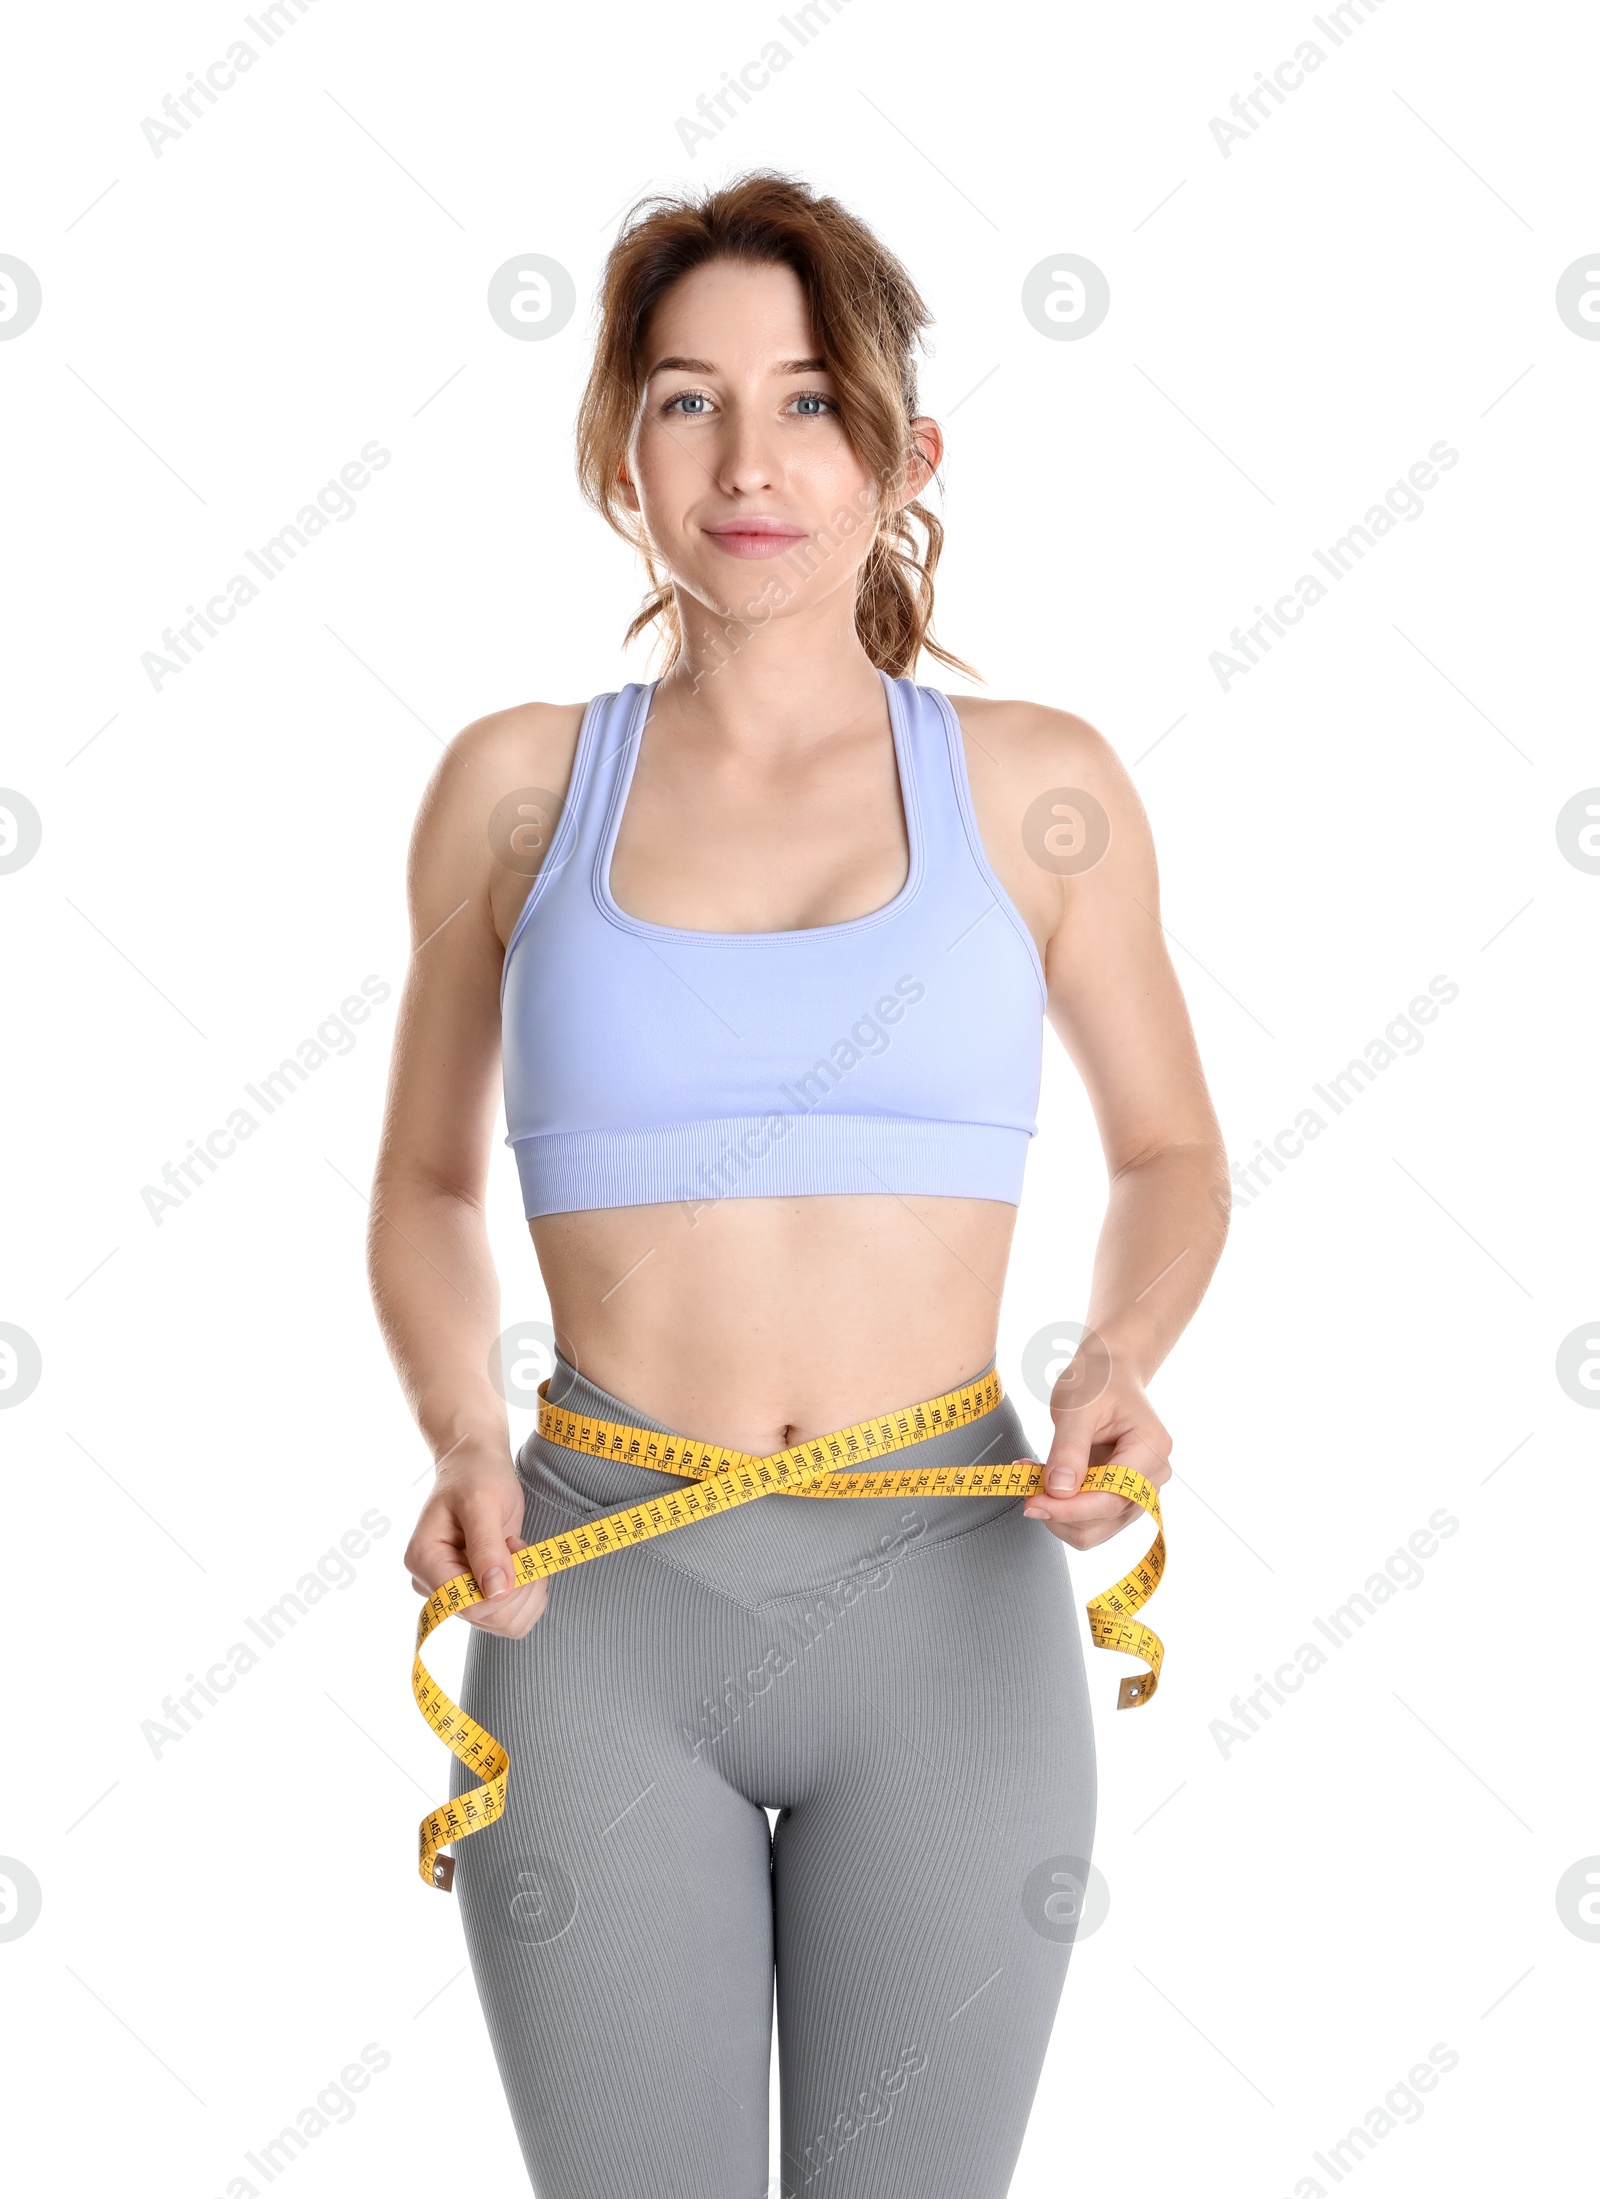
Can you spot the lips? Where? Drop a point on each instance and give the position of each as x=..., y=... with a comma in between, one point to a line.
x=755, y=537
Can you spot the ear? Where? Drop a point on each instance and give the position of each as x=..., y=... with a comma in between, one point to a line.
x=627, y=494
x=922, y=458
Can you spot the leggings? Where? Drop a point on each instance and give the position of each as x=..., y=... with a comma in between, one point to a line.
x=901, y=1681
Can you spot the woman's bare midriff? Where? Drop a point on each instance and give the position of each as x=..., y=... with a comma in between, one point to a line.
x=759, y=1322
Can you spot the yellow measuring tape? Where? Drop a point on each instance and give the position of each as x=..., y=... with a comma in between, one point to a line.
x=834, y=1465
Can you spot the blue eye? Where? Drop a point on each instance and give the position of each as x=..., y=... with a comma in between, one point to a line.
x=687, y=397
x=810, y=397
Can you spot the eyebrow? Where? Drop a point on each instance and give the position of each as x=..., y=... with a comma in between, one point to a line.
x=704, y=366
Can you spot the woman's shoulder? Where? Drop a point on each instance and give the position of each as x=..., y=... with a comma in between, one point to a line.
x=1057, y=810
x=537, y=739
x=1034, y=744
x=497, y=791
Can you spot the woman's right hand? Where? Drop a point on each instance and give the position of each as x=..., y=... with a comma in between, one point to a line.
x=470, y=1524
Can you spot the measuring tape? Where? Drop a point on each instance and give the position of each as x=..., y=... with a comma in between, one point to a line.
x=717, y=1479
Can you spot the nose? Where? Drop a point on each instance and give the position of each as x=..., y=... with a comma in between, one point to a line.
x=747, y=457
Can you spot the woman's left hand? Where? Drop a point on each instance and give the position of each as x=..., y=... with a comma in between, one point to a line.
x=1118, y=1426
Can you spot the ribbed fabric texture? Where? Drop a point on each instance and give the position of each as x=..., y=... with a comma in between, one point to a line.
x=899, y=1051
x=902, y=1680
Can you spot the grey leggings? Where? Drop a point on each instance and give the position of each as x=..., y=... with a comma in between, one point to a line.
x=901, y=1681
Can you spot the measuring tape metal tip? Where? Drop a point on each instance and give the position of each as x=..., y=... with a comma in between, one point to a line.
x=838, y=1465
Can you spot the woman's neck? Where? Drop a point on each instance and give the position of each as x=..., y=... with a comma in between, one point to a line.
x=770, y=675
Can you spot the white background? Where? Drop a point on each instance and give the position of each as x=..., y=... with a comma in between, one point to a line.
x=1293, y=1924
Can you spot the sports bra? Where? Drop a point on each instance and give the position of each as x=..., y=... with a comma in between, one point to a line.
x=898, y=1052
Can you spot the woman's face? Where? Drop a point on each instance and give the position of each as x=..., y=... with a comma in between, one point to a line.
x=740, y=466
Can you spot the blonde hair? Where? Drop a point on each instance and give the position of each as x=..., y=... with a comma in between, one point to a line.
x=867, y=318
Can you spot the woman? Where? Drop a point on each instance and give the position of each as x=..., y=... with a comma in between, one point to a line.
x=769, y=944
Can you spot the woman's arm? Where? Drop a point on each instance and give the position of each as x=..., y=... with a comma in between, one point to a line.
x=433, y=1278
x=1083, y=873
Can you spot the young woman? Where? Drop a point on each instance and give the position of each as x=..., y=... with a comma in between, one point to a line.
x=766, y=948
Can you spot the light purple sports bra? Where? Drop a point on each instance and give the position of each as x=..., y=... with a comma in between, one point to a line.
x=900, y=1051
